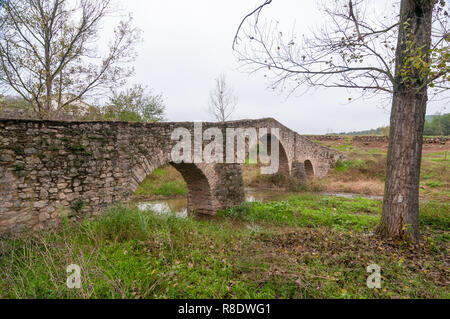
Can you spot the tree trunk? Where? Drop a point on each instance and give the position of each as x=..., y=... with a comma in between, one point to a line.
x=401, y=194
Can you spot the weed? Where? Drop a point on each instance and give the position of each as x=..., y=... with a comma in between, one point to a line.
x=77, y=205
x=77, y=148
x=19, y=150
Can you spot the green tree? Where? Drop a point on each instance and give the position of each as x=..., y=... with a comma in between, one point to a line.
x=136, y=104
x=438, y=125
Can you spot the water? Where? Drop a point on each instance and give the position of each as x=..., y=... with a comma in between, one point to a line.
x=171, y=206
x=349, y=195
x=178, y=206
x=264, y=195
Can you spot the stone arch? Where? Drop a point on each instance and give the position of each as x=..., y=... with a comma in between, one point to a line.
x=200, y=195
x=309, y=170
x=284, y=164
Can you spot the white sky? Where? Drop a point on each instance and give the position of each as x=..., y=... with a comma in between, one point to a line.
x=188, y=43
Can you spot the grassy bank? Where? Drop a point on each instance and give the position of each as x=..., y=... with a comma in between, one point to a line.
x=305, y=247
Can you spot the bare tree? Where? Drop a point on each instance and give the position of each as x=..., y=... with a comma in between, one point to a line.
x=400, y=54
x=48, y=51
x=222, y=101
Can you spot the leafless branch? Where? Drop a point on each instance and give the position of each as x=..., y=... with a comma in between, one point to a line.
x=354, y=49
x=257, y=12
x=222, y=101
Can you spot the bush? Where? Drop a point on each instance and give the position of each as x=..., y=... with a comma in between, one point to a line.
x=238, y=211
x=341, y=166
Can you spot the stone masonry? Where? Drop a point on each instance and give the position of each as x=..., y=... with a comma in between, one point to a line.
x=50, y=167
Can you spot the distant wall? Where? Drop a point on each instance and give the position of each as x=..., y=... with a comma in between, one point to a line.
x=373, y=138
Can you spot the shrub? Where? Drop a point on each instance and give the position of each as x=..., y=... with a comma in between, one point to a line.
x=77, y=205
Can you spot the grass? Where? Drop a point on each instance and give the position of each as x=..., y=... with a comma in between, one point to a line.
x=164, y=181
x=308, y=246
x=435, y=176
x=311, y=211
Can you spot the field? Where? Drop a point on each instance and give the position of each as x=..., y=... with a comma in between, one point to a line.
x=365, y=170
x=307, y=246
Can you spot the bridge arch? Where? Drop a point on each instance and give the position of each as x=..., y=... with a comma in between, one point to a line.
x=197, y=178
x=284, y=162
x=309, y=169
x=199, y=195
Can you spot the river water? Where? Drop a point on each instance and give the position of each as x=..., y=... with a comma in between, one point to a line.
x=178, y=206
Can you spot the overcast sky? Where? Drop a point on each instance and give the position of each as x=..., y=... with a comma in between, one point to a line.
x=188, y=43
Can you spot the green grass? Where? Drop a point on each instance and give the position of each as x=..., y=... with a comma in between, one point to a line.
x=435, y=175
x=311, y=211
x=343, y=166
x=433, y=184
x=308, y=246
x=170, y=188
x=165, y=181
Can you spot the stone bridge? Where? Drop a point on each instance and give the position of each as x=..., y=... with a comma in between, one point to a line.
x=49, y=167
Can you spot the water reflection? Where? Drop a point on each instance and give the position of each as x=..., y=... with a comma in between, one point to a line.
x=349, y=195
x=173, y=206
x=265, y=195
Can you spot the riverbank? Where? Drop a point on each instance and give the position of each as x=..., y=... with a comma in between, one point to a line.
x=307, y=246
